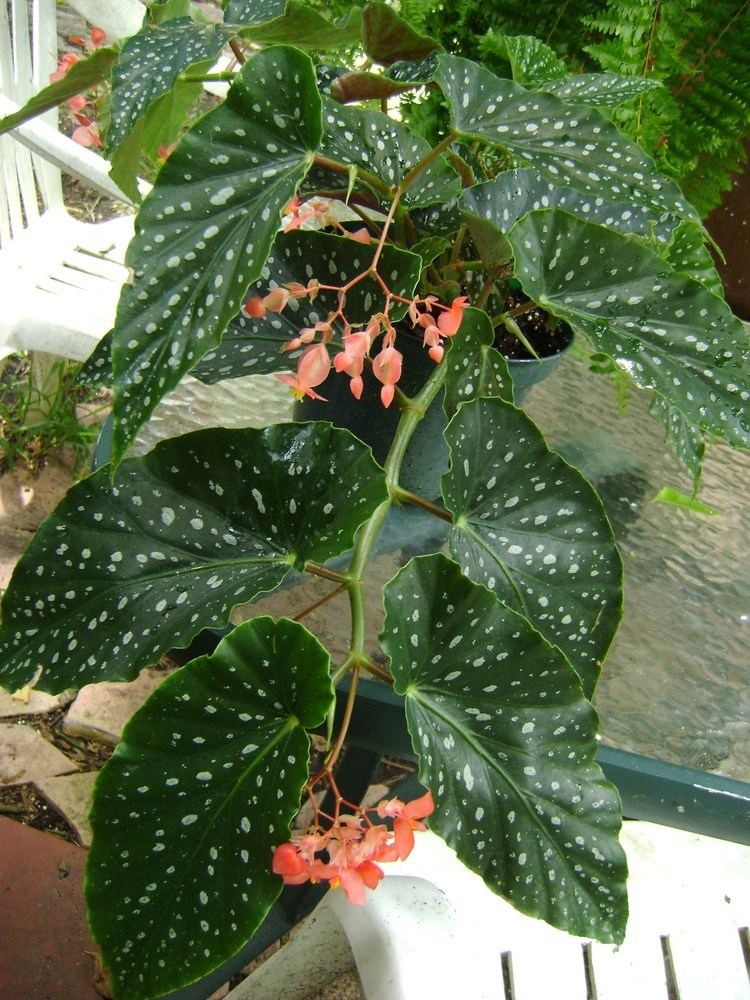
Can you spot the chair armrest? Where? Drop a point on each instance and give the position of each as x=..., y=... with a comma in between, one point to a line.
x=65, y=154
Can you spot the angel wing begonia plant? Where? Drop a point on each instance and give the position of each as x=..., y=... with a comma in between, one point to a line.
x=300, y=229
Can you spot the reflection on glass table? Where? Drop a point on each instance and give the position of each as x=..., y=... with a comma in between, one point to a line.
x=674, y=685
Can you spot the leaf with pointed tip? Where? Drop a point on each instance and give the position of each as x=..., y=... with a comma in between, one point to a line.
x=253, y=346
x=532, y=62
x=305, y=28
x=366, y=87
x=387, y=38
x=408, y=71
x=82, y=76
x=388, y=149
x=570, y=146
x=204, y=232
x=532, y=529
x=150, y=64
x=600, y=90
x=96, y=370
x=190, y=807
x=430, y=248
x=688, y=254
x=474, y=367
x=687, y=440
x=119, y=573
x=664, y=329
x=506, y=743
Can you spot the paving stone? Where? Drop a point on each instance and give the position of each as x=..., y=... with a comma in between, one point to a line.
x=25, y=755
x=39, y=703
x=12, y=545
x=46, y=951
x=27, y=498
x=71, y=795
x=100, y=711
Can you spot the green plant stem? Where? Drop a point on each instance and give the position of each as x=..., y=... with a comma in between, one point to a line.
x=400, y=495
x=236, y=48
x=457, y=244
x=328, y=574
x=344, y=168
x=206, y=77
x=426, y=160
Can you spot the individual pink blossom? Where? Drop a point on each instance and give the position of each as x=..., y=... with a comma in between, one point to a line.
x=406, y=819
x=386, y=367
x=277, y=299
x=287, y=861
x=98, y=36
x=164, y=152
x=87, y=134
x=450, y=321
x=254, y=307
x=312, y=369
x=360, y=235
x=66, y=61
x=77, y=103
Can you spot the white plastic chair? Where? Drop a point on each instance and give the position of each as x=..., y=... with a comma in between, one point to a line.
x=61, y=277
x=432, y=929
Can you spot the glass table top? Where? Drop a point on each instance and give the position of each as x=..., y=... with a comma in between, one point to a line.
x=674, y=685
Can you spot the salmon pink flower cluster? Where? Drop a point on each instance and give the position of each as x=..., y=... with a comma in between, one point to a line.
x=438, y=321
x=347, y=853
x=87, y=132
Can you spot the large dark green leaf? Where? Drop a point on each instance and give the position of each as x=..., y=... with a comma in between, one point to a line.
x=387, y=38
x=474, y=367
x=253, y=11
x=532, y=529
x=503, y=201
x=304, y=27
x=664, y=329
x=82, y=76
x=199, y=792
x=688, y=254
x=532, y=62
x=506, y=743
x=570, y=146
x=600, y=90
x=253, y=346
x=117, y=574
x=151, y=62
x=204, y=232
x=388, y=149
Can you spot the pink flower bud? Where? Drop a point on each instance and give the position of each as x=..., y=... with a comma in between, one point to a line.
x=77, y=103
x=436, y=353
x=356, y=386
x=254, y=307
x=276, y=299
x=98, y=35
x=450, y=321
x=360, y=235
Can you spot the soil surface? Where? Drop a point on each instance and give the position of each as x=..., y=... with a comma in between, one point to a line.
x=546, y=335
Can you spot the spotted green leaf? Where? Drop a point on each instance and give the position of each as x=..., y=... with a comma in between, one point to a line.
x=664, y=329
x=532, y=529
x=501, y=202
x=204, y=232
x=506, y=743
x=252, y=11
x=305, y=28
x=197, y=795
x=388, y=149
x=532, y=62
x=600, y=90
x=574, y=147
x=82, y=76
x=688, y=254
x=120, y=572
x=474, y=367
x=150, y=63
x=687, y=440
x=387, y=38
x=253, y=346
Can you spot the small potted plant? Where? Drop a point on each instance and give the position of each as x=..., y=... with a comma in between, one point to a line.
x=495, y=647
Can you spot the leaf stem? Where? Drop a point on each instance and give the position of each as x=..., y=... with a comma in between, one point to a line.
x=328, y=574
x=344, y=168
x=427, y=159
x=400, y=495
x=206, y=77
x=349, y=708
x=235, y=46
x=320, y=602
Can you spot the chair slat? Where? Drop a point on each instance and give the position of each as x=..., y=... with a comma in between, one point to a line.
x=44, y=62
